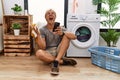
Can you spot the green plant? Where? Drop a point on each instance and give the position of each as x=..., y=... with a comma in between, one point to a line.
x=16, y=25
x=111, y=37
x=17, y=8
x=111, y=17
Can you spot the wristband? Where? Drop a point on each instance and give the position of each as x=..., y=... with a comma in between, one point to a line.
x=63, y=34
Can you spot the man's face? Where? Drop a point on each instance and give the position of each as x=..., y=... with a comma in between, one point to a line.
x=50, y=16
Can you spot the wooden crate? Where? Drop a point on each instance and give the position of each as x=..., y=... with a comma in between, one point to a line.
x=17, y=45
x=25, y=21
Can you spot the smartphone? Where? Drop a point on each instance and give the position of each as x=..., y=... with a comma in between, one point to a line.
x=56, y=25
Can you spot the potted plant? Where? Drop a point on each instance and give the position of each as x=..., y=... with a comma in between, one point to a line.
x=16, y=27
x=111, y=17
x=17, y=9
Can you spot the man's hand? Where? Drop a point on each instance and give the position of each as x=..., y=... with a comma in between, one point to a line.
x=59, y=31
x=35, y=31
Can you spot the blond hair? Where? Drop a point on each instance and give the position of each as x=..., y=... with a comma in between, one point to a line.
x=50, y=10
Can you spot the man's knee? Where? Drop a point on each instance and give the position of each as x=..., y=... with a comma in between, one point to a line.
x=39, y=53
x=70, y=36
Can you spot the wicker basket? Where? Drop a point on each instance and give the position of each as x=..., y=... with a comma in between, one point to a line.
x=106, y=57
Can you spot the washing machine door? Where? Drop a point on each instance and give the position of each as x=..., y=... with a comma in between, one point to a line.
x=85, y=35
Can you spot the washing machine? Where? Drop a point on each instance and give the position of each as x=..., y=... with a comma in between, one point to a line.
x=86, y=28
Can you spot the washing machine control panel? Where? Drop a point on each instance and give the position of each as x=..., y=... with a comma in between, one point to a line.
x=73, y=17
x=83, y=17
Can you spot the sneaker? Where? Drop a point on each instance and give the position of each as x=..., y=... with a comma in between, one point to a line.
x=55, y=68
x=67, y=61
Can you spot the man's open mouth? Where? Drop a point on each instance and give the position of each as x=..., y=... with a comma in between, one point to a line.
x=50, y=18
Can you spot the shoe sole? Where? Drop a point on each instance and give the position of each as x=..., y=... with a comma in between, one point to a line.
x=54, y=73
x=70, y=62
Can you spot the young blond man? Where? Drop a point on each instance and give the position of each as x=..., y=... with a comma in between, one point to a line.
x=53, y=44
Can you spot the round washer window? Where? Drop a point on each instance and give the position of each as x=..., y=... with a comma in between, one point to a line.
x=83, y=34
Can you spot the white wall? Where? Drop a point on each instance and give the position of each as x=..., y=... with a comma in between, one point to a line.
x=84, y=7
x=8, y=4
x=38, y=8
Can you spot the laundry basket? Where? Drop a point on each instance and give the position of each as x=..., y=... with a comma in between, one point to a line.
x=106, y=57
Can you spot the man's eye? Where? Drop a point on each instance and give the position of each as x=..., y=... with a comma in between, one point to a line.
x=48, y=13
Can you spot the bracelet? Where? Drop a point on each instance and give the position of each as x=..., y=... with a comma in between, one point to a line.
x=63, y=34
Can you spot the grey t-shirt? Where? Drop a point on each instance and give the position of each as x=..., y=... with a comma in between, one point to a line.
x=52, y=40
